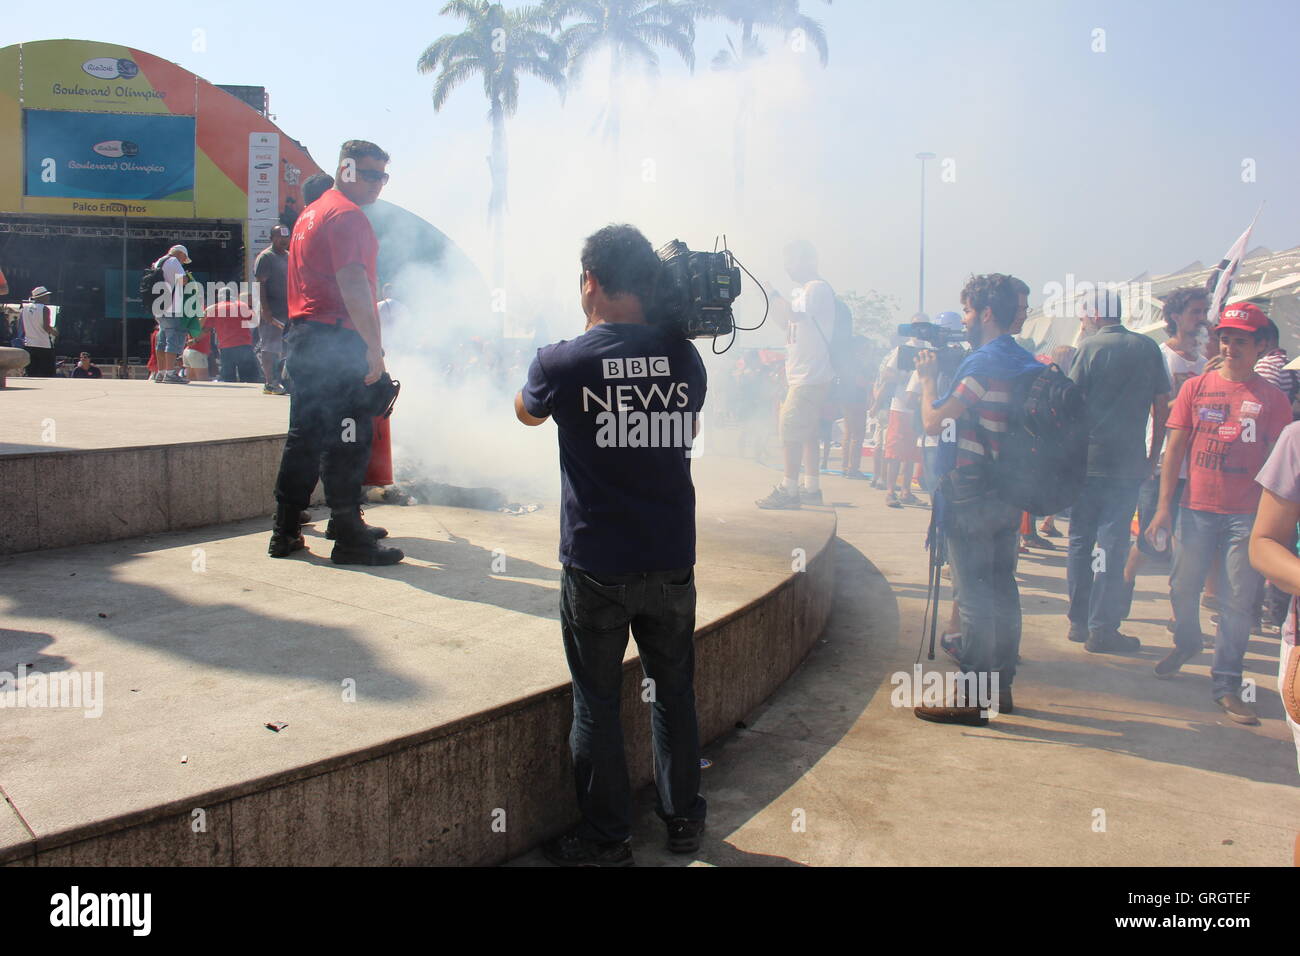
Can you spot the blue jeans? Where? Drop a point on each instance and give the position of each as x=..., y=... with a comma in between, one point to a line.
x=595, y=614
x=239, y=364
x=983, y=542
x=1200, y=536
x=1100, y=517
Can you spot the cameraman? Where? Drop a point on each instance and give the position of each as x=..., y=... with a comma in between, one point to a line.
x=627, y=541
x=979, y=529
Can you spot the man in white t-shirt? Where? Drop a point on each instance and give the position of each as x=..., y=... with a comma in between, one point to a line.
x=38, y=333
x=169, y=311
x=1186, y=316
x=809, y=321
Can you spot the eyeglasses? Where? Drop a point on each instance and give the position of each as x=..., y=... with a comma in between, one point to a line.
x=373, y=176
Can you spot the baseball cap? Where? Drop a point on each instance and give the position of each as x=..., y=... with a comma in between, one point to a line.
x=39, y=291
x=179, y=252
x=1244, y=316
x=950, y=321
x=279, y=230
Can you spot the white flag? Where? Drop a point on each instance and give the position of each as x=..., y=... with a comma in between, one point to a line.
x=1227, y=270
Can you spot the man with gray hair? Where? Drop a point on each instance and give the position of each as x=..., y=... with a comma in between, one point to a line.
x=170, y=313
x=1124, y=381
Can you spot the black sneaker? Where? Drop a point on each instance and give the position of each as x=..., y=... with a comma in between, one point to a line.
x=684, y=835
x=780, y=499
x=1078, y=633
x=574, y=850
x=1111, y=642
x=1174, y=660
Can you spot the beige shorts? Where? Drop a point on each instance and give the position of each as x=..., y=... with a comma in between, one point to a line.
x=801, y=412
x=193, y=358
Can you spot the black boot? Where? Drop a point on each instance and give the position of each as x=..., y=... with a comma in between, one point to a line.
x=376, y=532
x=355, y=544
x=286, y=538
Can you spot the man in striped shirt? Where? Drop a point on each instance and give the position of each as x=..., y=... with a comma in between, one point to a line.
x=1272, y=367
x=980, y=531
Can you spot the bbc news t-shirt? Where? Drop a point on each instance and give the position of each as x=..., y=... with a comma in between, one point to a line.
x=331, y=233
x=1281, y=475
x=625, y=399
x=232, y=321
x=807, y=341
x=1233, y=425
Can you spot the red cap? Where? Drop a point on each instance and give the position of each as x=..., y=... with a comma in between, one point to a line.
x=1243, y=316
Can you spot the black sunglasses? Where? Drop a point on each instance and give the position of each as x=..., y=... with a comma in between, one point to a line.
x=373, y=176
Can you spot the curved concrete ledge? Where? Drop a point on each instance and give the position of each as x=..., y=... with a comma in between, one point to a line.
x=12, y=361
x=433, y=796
x=106, y=459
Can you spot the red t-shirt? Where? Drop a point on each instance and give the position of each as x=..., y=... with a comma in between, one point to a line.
x=1233, y=426
x=232, y=320
x=203, y=344
x=331, y=233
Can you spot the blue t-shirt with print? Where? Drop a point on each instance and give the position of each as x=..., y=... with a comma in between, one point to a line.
x=625, y=399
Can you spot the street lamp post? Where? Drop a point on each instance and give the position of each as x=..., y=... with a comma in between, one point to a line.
x=921, y=281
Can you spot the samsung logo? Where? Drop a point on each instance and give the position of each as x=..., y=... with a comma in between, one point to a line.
x=110, y=68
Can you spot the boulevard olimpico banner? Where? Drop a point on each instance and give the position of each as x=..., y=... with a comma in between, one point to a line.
x=97, y=129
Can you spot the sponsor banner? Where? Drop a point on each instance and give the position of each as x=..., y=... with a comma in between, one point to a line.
x=100, y=77
x=263, y=192
x=98, y=156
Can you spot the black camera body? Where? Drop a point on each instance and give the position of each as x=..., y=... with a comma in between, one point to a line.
x=936, y=335
x=946, y=344
x=695, y=291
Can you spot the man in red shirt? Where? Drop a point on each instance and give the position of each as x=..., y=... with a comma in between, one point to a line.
x=232, y=320
x=1224, y=424
x=334, y=354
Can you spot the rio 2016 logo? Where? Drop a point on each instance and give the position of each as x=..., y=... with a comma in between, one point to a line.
x=110, y=68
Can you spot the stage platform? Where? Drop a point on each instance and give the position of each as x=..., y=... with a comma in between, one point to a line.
x=425, y=706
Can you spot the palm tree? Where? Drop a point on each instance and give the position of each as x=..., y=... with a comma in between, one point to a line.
x=630, y=30
x=753, y=16
x=500, y=45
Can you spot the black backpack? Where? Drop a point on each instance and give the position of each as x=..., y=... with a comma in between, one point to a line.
x=150, y=278
x=1043, y=456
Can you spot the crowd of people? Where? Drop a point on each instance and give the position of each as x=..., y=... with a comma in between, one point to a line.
x=1189, y=445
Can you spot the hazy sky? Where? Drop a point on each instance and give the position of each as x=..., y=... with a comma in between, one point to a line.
x=1103, y=164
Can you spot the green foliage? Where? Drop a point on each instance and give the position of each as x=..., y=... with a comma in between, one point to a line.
x=498, y=45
